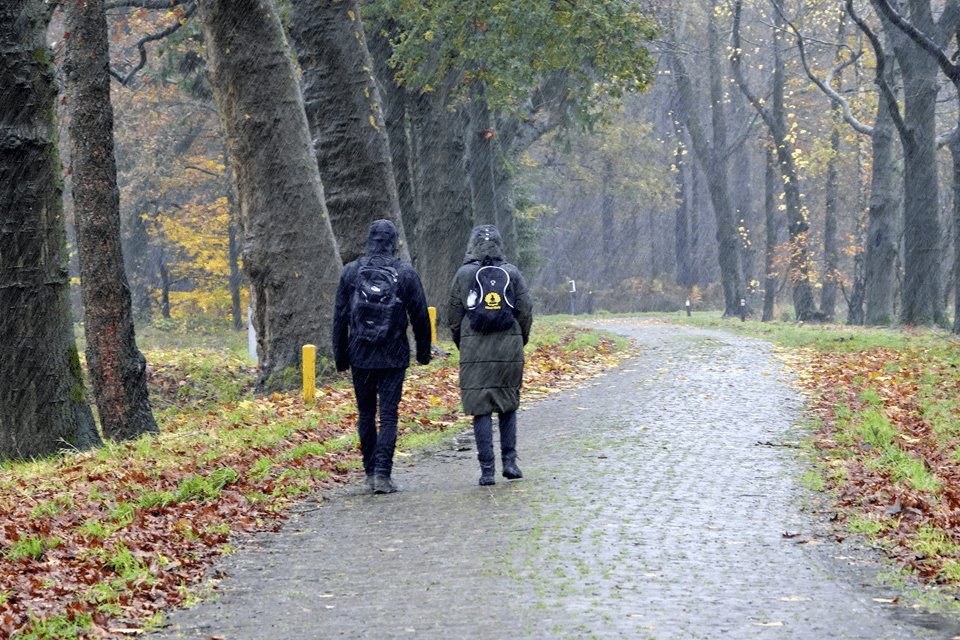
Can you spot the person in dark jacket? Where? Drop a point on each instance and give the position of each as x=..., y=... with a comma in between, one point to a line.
x=379, y=364
x=491, y=364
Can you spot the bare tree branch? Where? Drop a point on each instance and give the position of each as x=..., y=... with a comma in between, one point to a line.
x=736, y=64
x=826, y=87
x=881, y=75
x=922, y=40
x=142, y=4
x=182, y=20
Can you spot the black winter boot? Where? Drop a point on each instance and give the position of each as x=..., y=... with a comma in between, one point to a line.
x=384, y=484
x=510, y=469
x=487, y=473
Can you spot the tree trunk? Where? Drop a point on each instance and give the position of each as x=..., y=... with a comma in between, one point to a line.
x=774, y=117
x=747, y=222
x=164, y=284
x=445, y=220
x=804, y=303
x=480, y=160
x=118, y=371
x=681, y=225
x=772, y=191
x=42, y=405
x=881, y=248
x=831, y=249
x=137, y=254
x=714, y=168
x=607, y=227
x=920, y=294
x=233, y=256
x=289, y=252
x=396, y=115
x=955, y=155
x=346, y=118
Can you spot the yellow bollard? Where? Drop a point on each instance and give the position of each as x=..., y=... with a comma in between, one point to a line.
x=432, y=311
x=309, y=372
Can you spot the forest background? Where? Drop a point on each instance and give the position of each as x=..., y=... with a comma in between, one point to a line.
x=171, y=164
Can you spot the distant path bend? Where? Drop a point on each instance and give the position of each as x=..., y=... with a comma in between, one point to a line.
x=654, y=507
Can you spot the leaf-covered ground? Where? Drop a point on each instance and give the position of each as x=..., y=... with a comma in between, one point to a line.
x=97, y=544
x=888, y=437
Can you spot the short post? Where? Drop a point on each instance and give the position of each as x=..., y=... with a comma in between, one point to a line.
x=251, y=336
x=573, y=292
x=743, y=310
x=432, y=312
x=688, y=307
x=309, y=372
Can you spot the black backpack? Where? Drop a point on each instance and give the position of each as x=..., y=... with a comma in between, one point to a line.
x=490, y=300
x=376, y=304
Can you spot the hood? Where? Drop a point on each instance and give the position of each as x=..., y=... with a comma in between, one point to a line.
x=485, y=242
x=382, y=238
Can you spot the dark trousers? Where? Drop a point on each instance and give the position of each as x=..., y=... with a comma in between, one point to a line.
x=377, y=447
x=483, y=433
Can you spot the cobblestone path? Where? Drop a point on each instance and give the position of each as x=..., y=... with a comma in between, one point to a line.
x=657, y=503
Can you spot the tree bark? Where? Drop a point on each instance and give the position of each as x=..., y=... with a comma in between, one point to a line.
x=42, y=405
x=233, y=256
x=480, y=160
x=775, y=119
x=607, y=226
x=772, y=190
x=920, y=294
x=346, y=118
x=445, y=220
x=681, y=226
x=955, y=155
x=831, y=249
x=713, y=163
x=289, y=252
x=880, y=251
x=396, y=116
x=118, y=371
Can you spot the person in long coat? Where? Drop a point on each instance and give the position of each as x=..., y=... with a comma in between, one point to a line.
x=491, y=364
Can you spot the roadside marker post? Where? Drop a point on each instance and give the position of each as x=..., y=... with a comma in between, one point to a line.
x=432, y=312
x=309, y=372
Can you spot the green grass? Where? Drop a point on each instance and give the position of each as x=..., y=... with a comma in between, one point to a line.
x=57, y=628
x=32, y=547
x=829, y=337
x=932, y=541
x=868, y=525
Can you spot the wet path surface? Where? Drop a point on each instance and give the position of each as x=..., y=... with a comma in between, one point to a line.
x=654, y=506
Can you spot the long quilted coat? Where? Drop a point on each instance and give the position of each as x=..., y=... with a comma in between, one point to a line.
x=491, y=365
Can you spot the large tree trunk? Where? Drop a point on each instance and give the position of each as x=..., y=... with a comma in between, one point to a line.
x=804, y=303
x=608, y=227
x=289, y=252
x=714, y=167
x=445, y=220
x=42, y=405
x=881, y=247
x=681, y=224
x=920, y=294
x=746, y=215
x=235, y=281
x=955, y=155
x=118, y=371
x=346, y=118
x=774, y=117
x=772, y=191
x=480, y=160
x=831, y=249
